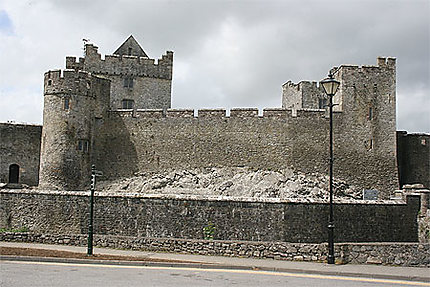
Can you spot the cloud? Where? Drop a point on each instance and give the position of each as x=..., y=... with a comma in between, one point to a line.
x=227, y=53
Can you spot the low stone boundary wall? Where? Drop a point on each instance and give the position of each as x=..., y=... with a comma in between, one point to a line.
x=232, y=219
x=401, y=254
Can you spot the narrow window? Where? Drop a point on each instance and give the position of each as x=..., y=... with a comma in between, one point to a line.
x=129, y=51
x=128, y=82
x=49, y=82
x=13, y=173
x=322, y=103
x=370, y=116
x=127, y=104
x=66, y=105
x=83, y=145
x=370, y=144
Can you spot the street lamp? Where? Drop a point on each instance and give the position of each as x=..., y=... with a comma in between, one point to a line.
x=91, y=215
x=330, y=86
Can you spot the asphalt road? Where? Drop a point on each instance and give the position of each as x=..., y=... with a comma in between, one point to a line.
x=16, y=273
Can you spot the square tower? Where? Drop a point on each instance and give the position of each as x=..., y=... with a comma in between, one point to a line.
x=137, y=82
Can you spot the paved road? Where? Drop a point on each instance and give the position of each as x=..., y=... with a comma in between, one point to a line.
x=15, y=273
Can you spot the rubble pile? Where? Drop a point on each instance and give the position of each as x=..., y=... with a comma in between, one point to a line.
x=234, y=182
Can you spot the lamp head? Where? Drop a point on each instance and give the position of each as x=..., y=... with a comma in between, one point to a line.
x=330, y=85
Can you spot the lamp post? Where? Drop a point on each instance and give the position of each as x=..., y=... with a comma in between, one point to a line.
x=91, y=215
x=330, y=86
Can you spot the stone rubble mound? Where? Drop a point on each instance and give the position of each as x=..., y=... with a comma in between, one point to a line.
x=234, y=182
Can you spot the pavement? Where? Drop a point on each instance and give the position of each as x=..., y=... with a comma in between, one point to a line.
x=220, y=262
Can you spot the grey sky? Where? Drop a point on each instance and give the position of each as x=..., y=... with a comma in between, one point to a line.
x=227, y=53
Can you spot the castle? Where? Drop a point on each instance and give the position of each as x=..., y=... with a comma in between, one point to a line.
x=116, y=113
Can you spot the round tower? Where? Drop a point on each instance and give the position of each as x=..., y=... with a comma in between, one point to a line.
x=70, y=103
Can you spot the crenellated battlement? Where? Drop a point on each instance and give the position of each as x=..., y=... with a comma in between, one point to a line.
x=276, y=113
x=150, y=113
x=244, y=113
x=212, y=113
x=71, y=82
x=180, y=113
x=235, y=113
x=388, y=62
x=123, y=64
x=71, y=63
x=382, y=65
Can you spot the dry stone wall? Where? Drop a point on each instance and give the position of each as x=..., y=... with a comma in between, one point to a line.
x=398, y=254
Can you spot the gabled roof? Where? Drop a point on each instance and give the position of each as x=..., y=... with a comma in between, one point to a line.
x=130, y=47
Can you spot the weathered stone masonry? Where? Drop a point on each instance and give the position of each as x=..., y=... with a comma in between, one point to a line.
x=72, y=102
x=125, y=142
x=400, y=254
x=114, y=112
x=20, y=146
x=176, y=217
x=413, y=155
x=151, y=140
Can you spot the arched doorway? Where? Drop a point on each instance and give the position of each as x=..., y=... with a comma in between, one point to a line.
x=13, y=173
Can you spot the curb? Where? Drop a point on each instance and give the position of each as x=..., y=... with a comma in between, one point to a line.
x=202, y=265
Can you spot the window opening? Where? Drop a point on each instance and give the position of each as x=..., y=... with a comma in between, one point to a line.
x=128, y=82
x=83, y=145
x=66, y=105
x=370, y=117
x=129, y=51
x=49, y=82
x=127, y=104
x=322, y=103
x=13, y=173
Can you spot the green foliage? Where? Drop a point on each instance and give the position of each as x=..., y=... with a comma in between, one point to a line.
x=18, y=230
x=208, y=231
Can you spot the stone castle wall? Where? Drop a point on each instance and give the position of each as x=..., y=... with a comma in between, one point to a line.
x=186, y=217
x=72, y=101
x=150, y=140
x=20, y=144
x=367, y=101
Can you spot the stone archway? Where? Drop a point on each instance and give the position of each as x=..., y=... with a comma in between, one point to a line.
x=13, y=173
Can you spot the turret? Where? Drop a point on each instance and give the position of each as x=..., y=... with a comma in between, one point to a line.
x=72, y=101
